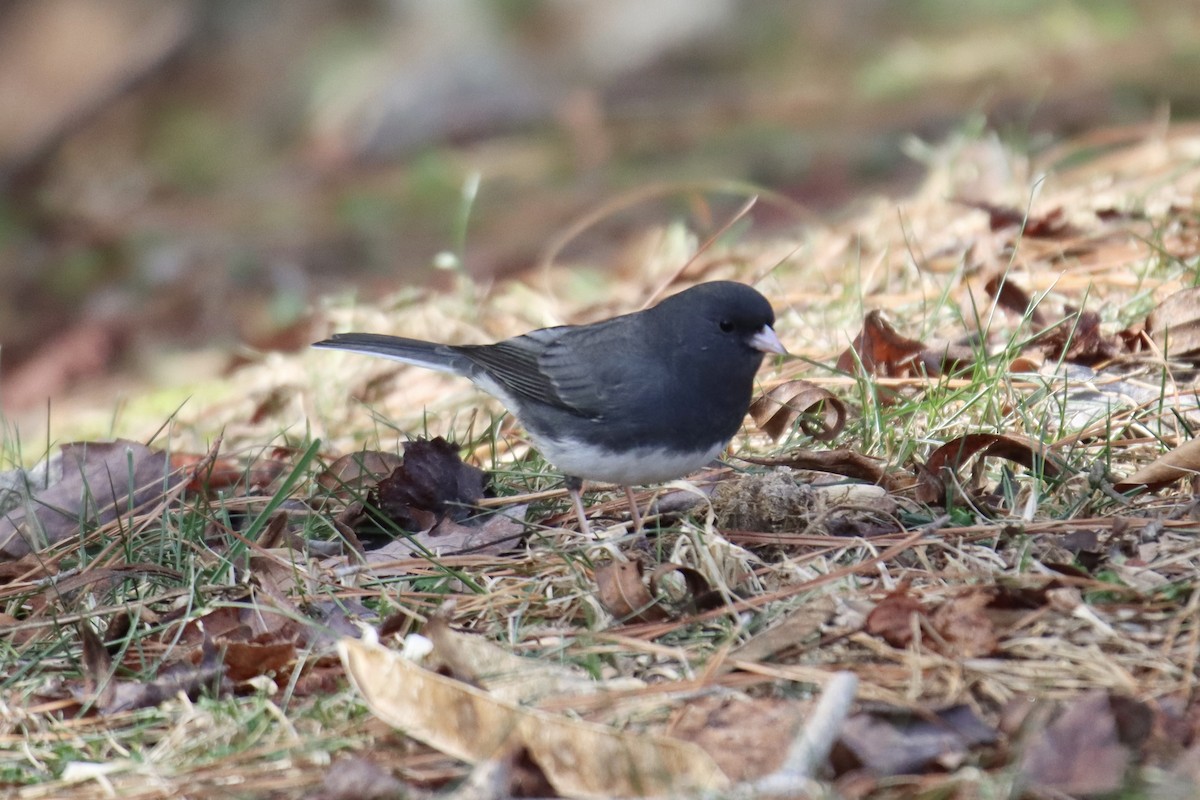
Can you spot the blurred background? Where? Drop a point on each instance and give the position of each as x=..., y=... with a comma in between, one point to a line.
x=186, y=176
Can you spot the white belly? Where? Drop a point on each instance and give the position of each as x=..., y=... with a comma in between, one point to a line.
x=640, y=466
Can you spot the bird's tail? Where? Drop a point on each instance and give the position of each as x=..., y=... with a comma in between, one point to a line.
x=411, y=351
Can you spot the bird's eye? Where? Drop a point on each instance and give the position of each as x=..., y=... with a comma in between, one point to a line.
x=726, y=326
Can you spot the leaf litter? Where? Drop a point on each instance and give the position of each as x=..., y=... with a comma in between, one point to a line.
x=1002, y=553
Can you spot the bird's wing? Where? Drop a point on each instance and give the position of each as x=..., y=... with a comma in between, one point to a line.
x=555, y=366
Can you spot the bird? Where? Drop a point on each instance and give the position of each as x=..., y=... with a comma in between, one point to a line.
x=641, y=398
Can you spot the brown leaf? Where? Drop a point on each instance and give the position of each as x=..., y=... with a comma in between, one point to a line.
x=837, y=462
x=1174, y=325
x=1182, y=462
x=699, y=596
x=1088, y=748
x=1013, y=298
x=621, y=591
x=182, y=676
x=1051, y=225
x=246, y=660
x=354, y=474
x=892, y=618
x=1080, y=341
x=965, y=629
x=433, y=480
x=881, y=349
x=933, y=477
x=99, y=481
x=899, y=741
x=580, y=759
x=357, y=778
x=821, y=414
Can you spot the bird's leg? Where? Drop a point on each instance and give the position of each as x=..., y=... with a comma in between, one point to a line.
x=634, y=515
x=574, y=487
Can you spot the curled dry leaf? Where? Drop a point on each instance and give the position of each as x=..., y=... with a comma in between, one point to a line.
x=580, y=759
x=699, y=594
x=355, y=474
x=821, y=414
x=881, y=349
x=1182, y=462
x=623, y=594
x=433, y=482
x=932, y=477
x=510, y=677
x=1174, y=325
x=837, y=462
x=965, y=629
x=1080, y=340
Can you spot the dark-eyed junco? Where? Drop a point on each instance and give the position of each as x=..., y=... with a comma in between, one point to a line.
x=640, y=398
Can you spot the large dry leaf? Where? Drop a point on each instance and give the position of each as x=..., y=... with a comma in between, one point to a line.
x=580, y=759
x=939, y=470
x=1182, y=462
x=1175, y=324
x=1087, y=750
x=99, y=481
x=509, y=677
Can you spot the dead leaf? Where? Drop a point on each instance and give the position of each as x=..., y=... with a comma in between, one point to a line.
x=1051, y=225
x=881, y=350
x=1080, y=340
x=1013, y=298
x=431, y=483
x=899, y=741
x=746, y=737
x=1088, y=748
x=965, y=629
x=822, y=415
x=510, y=677
x=836, y=462
x=1182, y=462
x=937, y=474
x=623, y=594
x=494, y=532
x=353, y=475
x=1174, y=325
x=358, y=778
x=99, y=481
x=580, y=759
x=892, y=618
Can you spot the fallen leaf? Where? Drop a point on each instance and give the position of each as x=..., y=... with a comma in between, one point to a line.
x=836, y=462
x=881, y=350
x=353, y=475
x=1080, y=340
x=580, y=759
x=1182, y=462
x=892, y=617
x=1174, y=324
x=99, y=481
x=1012, y=297
x=965, y=629
x=510, y=677
x=899, y=741
x=1088, y=748
x=431, y=483
x=822, y=415
x=937, y=474
x=623, y=594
